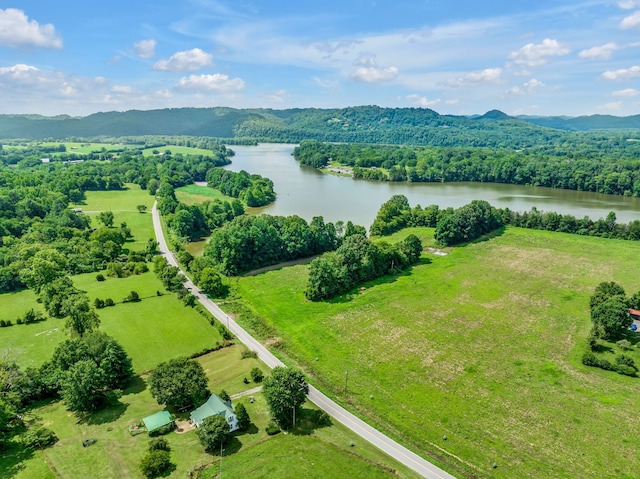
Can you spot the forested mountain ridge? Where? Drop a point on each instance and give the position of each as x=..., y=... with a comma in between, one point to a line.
x=362, y=124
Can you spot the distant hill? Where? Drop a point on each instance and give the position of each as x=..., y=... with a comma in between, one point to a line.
x=361, y=124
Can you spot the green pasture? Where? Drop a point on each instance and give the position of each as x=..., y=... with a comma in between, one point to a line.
x=86, y=148
x=184, y=150
x=117, y=454
x=195, y=194
x=153, y=330
x=123, y=204
x=482, y=346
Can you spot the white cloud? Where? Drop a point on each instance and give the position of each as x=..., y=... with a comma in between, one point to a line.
x=373, y=74
x=602, y=52
x=122, y=89
x=217, y=82
x=186, y=61
x=632, y=21
x=612, y=106
x=422, y=101
x=453, y=101
x=533, y=55
x=277, y=96
x=369, y=71
x=324, y=83
x=622, y=74
x=16, y=31
x=488, y=75
x=627, y=93
x=145, y=48
x=164, y=93
x=628, y=4
x=529, y=88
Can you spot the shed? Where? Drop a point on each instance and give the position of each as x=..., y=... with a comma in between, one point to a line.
x=157, y=420
x=215, y=406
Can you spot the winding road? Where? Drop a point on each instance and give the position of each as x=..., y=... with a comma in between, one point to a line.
x=375, y=437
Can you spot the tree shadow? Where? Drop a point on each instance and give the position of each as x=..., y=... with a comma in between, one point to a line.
x=137, y=385
x=309, y=420
x=104, y=416
x=251, y=430
x=231, y=447
x=13, y=460
x=484, y=238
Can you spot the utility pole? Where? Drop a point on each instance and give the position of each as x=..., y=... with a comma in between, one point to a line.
x=346, y=380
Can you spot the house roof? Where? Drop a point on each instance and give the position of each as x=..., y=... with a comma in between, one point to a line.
x=157, y=420
x=213, y=407
x=634, y=312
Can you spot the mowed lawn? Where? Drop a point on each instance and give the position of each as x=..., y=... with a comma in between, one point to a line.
x=123, y=204
x=174, y=149
x=482, y=346
x=196, y=194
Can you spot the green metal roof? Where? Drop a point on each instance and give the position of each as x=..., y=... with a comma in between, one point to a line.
x=213, y=407
x=157, y=420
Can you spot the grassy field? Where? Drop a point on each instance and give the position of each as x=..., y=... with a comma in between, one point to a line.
x=86, y=148
x=195, y=194
x=482, y=346
x=123, y=205
x=151, y=331
x=116, y=454
x=185, y=150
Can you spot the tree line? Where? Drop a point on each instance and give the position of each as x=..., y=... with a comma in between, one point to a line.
x=612, y=167
x=253, y=190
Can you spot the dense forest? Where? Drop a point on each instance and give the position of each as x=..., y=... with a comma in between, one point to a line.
x=612, y=167
x=361, y=124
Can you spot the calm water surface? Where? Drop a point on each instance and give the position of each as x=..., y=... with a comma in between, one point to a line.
x=307, y=192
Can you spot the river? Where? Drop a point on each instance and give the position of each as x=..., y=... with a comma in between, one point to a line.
x=307, y=192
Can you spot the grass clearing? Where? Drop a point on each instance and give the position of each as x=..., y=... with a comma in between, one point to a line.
x=482, y=345
x=123, y=204
x=196, y=194
x=184, y=150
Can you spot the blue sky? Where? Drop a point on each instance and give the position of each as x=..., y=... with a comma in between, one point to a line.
x=457, y=57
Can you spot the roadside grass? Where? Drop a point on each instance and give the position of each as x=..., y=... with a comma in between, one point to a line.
x=185, y=150
x=123, y=204
x=117, y=454
x=482, y=346
x=195, y=194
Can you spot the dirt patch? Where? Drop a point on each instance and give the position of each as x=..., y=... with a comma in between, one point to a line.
x=184, y=426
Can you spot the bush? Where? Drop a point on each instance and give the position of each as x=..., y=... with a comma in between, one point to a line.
x=161, y=431
x=321, y=418
x=100, y=277
x=248, y=353
x=625, y=345
x=5, y=323
x=98, y=303
x=32, y=316
x=272, y=428
x=625, y=370
x=155, y=463
x=243, y=417
x=109, y=302
x=257, y=375
x=39, y=438
x=159, y=444
x=132, y=297
x=624, y=360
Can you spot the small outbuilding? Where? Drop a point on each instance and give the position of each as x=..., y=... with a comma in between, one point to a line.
x=215, y=406
x=157, y=420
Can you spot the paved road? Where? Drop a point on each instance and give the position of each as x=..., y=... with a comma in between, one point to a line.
x=375, y=437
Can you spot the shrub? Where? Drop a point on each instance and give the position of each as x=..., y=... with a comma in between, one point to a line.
x=272, y=428
x=243, y=417
x=3, y=323
x=625, y=370
x=321, y=418
x=159, y=444
x=98, y=303
x=248, y=353
x=161, y=431
x=100, y=277
x=224, y=396
x=39, y=438
x=140, y=267
x=32, y=316
x=624, y=360
x=155, y=463
x=245, y=380
x=132, y=297
x=109, y=302
x=158, y=293
x=257, y=375
x=624, y=344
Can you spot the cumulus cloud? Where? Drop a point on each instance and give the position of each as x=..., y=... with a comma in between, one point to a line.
x=122, y=89
x=369, y=72
x=602, y=52
x=622, y=74
x=422, y=101
x=217, y=82
x=612, y=106
x=186, y=61
x=533, y=54
x=632, y=21
x=627, y=93
x=528, y=88
x=277, y=96
x=145, y=48
x=628, y=4
x=16, y=30
x=488, y=75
